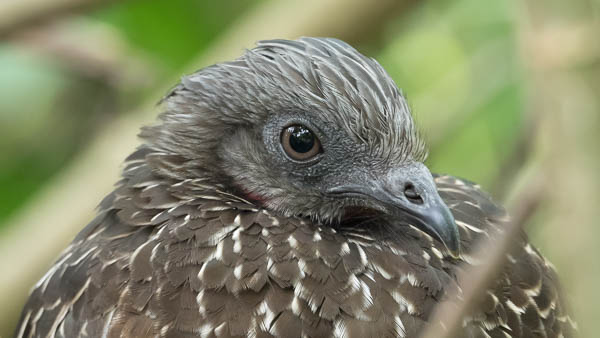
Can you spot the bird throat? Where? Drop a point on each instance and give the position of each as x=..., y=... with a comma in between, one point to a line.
x=357, y=215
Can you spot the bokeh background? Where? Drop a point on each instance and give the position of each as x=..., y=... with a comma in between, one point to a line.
x=506, y=92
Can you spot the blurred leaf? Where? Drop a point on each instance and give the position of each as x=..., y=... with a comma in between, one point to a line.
x=47, y=114
x=28, y=87
x=477, y=150
x=421, y=57
x=456, y=63
x=174, y=30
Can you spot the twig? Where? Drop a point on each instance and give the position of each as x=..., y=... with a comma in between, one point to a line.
x=561, y=54
x=93, y=49
x=448, y=317
x=18, y=14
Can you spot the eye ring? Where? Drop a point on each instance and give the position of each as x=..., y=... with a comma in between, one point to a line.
x=300, y=143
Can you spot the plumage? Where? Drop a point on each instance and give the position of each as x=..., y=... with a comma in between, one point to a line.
x=212, y=232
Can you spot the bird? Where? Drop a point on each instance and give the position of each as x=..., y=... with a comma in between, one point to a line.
x=284, y=194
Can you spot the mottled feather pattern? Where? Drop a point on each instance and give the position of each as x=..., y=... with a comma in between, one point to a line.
x=161, y=260
x=174, y=252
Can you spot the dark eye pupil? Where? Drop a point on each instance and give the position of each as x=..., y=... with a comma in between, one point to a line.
x=302, y=139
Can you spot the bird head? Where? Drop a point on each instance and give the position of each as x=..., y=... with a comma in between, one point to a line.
x=307, y=128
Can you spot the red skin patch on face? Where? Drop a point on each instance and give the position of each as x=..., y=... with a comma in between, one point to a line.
x=255, y=198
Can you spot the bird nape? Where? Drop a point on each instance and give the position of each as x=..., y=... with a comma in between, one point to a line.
x=283, y=194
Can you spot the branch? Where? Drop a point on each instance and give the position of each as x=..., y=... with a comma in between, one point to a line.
x=546, y=143
x=19, y=14
x=561, y=54
x=93, y=49
x=447, y=319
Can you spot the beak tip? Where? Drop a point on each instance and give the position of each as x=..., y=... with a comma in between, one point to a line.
x=441, y=223
x=454, y=251
x=452, y=242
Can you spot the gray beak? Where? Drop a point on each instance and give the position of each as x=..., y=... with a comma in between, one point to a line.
x=410, y=193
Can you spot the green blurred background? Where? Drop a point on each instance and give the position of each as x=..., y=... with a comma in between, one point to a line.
x=506, y=92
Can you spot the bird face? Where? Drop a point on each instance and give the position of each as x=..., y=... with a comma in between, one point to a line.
x=310, y=128
x=300, y=165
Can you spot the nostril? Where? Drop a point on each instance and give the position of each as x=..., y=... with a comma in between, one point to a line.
x=411, y=194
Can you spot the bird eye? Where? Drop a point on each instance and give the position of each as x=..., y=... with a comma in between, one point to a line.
x=300, y=143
